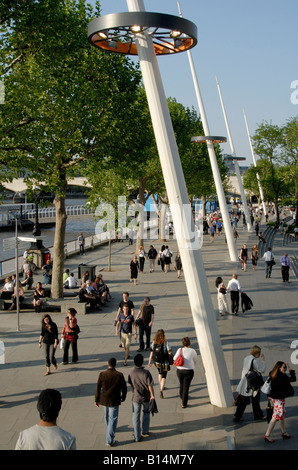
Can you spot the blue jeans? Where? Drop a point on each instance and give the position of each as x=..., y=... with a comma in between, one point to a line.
x=136, y=418
x=111, y=419
x=144, y=328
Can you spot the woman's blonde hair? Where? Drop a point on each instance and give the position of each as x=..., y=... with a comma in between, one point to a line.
x=255, y=350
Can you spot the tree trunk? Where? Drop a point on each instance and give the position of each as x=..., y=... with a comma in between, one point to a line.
x=59, y=240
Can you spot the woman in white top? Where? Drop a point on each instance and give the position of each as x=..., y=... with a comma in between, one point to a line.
x=185, y=373
x=244, y=394
x=221, y=296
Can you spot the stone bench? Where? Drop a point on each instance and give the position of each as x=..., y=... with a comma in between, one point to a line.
x=80, y=307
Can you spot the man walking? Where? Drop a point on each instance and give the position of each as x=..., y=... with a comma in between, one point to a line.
x=142, y=386
x=111, y=390
x=269, y=261
x=285, y=267
x=146, y=314
x=125, y=321
x=152, y=254
x=234, y=288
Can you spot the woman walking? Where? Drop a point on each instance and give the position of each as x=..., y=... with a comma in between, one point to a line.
x=281, y=388
x=134, y=269
x=141, y=258
x=70, y=335
x=49, y=338
x=161, y=257
x=243, y=257
x=221, y=296
x=185, y=373
x=160, y=355
x=254, y=256
x=256, y=361
x=178, y=264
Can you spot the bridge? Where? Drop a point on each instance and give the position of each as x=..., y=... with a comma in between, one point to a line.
x=19, y=185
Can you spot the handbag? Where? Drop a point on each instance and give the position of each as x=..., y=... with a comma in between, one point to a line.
x=266, y=388
x=170, y=359
x=223, y=290
x=254, y=379
x=269, y=411
x=180, y=359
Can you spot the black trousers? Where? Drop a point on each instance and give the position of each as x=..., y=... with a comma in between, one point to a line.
x=74, y=345
x=244, y=401
x=235, y=301
x=285, y=273
x=185, y=377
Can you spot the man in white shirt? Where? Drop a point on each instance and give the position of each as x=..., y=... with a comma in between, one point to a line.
x=269, y=261
x=285, y=267
x=70, y=282
x=234, y=288
x=46, y=435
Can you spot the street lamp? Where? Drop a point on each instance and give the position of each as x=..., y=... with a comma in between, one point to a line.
x=236, y=166
x=145, y=43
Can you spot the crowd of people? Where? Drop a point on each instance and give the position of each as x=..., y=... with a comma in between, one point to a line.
x=111, y=388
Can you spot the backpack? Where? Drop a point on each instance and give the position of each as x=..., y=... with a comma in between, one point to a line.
x=160, y=355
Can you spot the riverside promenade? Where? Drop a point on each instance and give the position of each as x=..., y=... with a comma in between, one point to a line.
x=271, y=324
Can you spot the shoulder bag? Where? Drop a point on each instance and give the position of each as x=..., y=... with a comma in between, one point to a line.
x=254, y=379
x=180, y=359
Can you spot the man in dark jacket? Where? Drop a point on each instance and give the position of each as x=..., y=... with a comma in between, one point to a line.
x=111, y=390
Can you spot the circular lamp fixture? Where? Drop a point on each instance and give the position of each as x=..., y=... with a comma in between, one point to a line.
x=209, y=138
x=117, y=32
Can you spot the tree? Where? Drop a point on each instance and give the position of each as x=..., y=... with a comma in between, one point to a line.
x=290, y=157
x=66, y=103
x=267, y=142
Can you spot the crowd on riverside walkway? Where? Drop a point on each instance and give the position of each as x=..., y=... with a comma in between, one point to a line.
x=111, y=388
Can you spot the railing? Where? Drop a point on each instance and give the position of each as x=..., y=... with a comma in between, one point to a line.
x=50, y=212
x=8, y=267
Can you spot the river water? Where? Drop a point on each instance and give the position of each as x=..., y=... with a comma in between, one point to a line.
x=73, y=229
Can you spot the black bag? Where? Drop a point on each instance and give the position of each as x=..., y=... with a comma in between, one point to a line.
x=159, y=354
x=269, y=411
x=254, y=379
x=138, y=321
x=222, y=290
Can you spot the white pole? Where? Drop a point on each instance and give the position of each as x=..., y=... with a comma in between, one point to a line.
x=243, y=195
x=17, y=274
x=214, y=165
x=255, y=164
x=217, y=378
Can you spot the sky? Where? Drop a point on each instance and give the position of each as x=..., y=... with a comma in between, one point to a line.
x=251, y=47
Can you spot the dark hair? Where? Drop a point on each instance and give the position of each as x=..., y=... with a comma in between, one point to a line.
x=49, y=404
x=218, y=281
x=273, y=373
x=138, y=360
x=112, y=362
x=186, y=341
x=46, y=315
x=72, y=311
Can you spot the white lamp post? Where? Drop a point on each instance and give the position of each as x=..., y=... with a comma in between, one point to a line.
x=149, y=42
x=237, y=171
x=255, y=164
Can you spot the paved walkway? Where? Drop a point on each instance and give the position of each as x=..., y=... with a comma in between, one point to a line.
x=272, y=324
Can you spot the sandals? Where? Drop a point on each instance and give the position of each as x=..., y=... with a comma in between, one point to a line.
x=286, y=435
x=268, y=439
